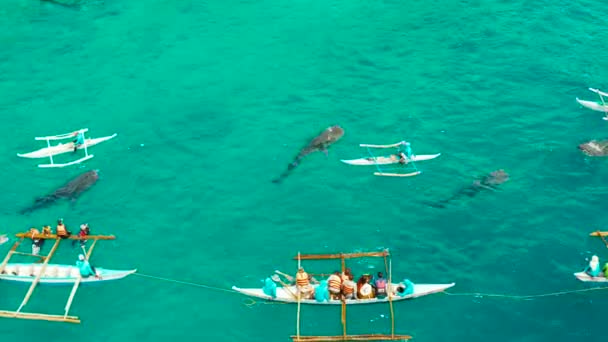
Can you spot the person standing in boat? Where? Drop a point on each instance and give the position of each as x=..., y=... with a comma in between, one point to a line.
x=86, y=270
x=62, y=231
x=79, y=141
x=594, y=267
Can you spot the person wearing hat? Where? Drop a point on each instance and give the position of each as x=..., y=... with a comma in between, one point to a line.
x=85, y=268
x=303, y=283
x=84, y=231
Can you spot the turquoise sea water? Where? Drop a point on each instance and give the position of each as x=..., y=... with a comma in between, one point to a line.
x=212, y=99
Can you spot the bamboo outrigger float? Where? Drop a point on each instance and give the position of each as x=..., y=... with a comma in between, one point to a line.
x=345, y=337
x=40, y=273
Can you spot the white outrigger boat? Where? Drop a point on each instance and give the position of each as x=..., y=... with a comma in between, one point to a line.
x=57, y=274
x=594, y=105
x=288, y=294
x=45, y=273
x=403, y=157
x=285, y=294
x=50, y=151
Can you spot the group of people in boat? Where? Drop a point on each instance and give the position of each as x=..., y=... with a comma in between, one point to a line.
x=341, y=286
x=594, y=268
x=61, y=231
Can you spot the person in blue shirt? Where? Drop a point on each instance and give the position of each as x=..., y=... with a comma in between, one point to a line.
x=405, y=288
x=79, y=141
x=85, y=268
x=270, y=288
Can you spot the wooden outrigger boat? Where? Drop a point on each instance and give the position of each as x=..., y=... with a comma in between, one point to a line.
x=601, y=278
x=294, y=297
x=403, y=158
x=43, y=273
x=594, y=105
x=50, y=151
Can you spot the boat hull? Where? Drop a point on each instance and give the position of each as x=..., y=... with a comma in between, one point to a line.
x=284, y=295
x=582, y=276
x=592, y=105
x=387, y=160
x=64, y=148
x=57, y=274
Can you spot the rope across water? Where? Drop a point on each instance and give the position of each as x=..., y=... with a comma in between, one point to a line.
x=468, y=294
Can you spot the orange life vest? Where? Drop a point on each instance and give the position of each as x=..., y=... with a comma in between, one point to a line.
x=302, y=279
x=61, y=230
x=334, y=282
x=349, y=287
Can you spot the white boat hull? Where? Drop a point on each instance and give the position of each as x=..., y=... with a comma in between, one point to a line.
x=57, y=274
x=592, y=105
x=285, y=296
x=582, y=276
x=64, y=148
x=387, y=160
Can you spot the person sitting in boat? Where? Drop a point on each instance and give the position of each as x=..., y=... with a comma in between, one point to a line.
x=46, y=230
x=346, y=274
x=79, y=141
x=303, y=283
x=380, y=285
x=364, y=289
x=62, y=231
x=36, y=243
x=86, y=270
x=84, y=232
x=405, y=288
x=348, y=288
x=322, y=292
x=270, y=288
x=594, y=267
x=334, y=283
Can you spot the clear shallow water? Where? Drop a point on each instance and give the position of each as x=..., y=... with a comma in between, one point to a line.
x=212, y=100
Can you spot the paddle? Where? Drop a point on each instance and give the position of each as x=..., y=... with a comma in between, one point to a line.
x=276, y=278
x=291, y=279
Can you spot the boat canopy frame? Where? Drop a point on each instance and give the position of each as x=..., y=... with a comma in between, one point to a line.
x=346, y=337
x=65, y=318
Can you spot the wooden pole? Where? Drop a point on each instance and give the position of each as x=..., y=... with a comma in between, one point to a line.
x=344, y=302
x=9, y=254
x=40, y=273
x=299, y=299
x=77, y=283
x=390, y=297
x=603, y=238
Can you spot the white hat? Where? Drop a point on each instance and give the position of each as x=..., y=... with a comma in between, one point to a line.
x=80, y=257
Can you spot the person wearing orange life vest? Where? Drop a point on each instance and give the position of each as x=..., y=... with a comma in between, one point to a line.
x=62, y=231
x=334, y=285
x=303, y=283
x=348, y=288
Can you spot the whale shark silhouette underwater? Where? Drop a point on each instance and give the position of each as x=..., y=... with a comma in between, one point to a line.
x=489, y=182
x=70, y=191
